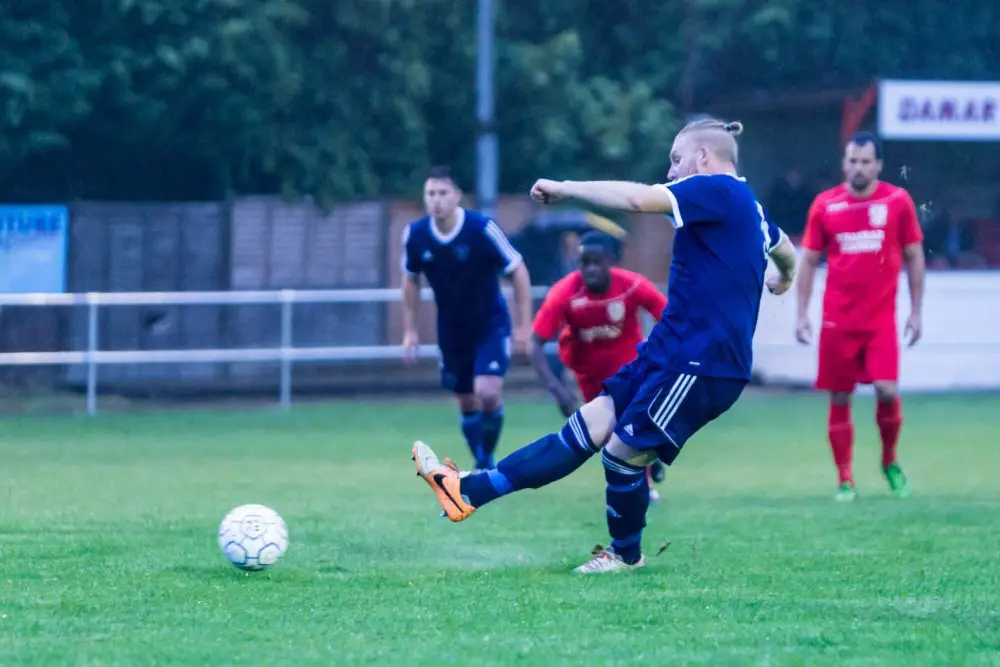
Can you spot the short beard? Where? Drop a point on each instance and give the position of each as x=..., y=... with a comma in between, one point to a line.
x=855, y=188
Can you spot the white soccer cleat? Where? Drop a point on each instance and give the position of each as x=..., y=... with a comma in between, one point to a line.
x=846, y=493
x=606, y=560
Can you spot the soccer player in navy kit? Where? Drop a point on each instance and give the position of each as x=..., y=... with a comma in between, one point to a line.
x=694, y=364
x=462, y=253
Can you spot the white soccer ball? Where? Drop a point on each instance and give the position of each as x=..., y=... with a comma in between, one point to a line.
x=253, y=537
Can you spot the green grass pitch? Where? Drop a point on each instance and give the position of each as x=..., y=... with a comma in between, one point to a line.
x=108, y=553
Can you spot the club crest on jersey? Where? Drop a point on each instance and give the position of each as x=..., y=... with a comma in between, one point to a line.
x=616, y=311
x=878, y=215
x=580, y=302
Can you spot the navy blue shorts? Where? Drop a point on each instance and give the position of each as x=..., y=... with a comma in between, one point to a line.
x=661, y=410
x=461, y=365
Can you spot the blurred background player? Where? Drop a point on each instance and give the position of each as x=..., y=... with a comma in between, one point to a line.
x=462, y=253
x=595, y=312
x=868, y=230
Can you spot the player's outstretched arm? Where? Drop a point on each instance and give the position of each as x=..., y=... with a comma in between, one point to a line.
x=616, y=195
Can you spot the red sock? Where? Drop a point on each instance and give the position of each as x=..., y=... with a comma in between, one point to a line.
x=841, y=433
x=889, y=417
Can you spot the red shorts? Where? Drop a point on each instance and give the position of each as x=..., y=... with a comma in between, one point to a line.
x=589, y=387
x=591, y=380
x=849, y=358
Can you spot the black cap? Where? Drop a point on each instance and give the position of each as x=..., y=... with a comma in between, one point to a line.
x=599, y=241
x=596, y=239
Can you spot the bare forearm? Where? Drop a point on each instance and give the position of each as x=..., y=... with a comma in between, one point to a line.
x=617, y=195
x=915, y=270
x=806, y=277
x=541, y=364
x=783, y=256
x=411, y=303
x=522, y=295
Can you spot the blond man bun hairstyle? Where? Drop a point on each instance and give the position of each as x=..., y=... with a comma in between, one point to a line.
x=716, y=135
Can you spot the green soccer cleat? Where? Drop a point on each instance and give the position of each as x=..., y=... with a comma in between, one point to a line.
x=846, y=493
x=897, y=480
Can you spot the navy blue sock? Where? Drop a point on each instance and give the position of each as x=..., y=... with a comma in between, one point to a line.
x=472, y=429
x=492, y=426
x=627, y=502
x=544, y=461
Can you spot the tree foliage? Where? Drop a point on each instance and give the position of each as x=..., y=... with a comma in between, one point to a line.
x=181, y=99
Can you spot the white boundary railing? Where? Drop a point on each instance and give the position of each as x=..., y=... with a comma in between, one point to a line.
x=286, y=354
x=960, y=348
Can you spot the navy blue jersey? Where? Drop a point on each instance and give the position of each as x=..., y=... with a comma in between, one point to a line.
x=721, y=250
x=463, y=269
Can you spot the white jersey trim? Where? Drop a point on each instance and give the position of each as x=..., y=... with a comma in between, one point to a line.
x=445, y=239
x=404, y=261
x=504, y=247
x=677, y=219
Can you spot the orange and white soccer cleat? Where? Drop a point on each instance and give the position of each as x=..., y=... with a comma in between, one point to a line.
x=444, y=480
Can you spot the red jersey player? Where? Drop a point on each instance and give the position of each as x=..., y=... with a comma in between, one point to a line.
x=595, y=311
x=869, y=230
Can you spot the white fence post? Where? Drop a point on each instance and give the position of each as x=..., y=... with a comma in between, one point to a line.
x=287, y=297
x=92, y=344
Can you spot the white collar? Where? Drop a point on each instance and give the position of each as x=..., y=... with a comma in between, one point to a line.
x=446, y=239
x=730, y=174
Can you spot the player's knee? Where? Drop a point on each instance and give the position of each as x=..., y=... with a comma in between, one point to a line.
x=489, y=392
x=491, y=402
x=468, y=402
x=634, y=457
x=840, y=398
x=886, y=392
x=599, y=416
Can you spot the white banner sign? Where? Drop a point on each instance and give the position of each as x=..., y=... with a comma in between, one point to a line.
x=939, y=110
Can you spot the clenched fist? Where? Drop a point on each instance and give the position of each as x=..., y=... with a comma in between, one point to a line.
x=547, y=192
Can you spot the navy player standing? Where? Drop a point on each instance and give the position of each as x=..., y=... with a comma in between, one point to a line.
x=695, y=363
x=462, y=253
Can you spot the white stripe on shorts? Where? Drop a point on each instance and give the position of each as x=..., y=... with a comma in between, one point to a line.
x=673, y=401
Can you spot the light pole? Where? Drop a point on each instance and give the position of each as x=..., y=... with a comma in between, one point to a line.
x=486, y=142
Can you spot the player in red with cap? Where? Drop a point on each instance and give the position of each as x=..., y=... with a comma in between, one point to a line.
x=595, y=312
x=868, y=230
